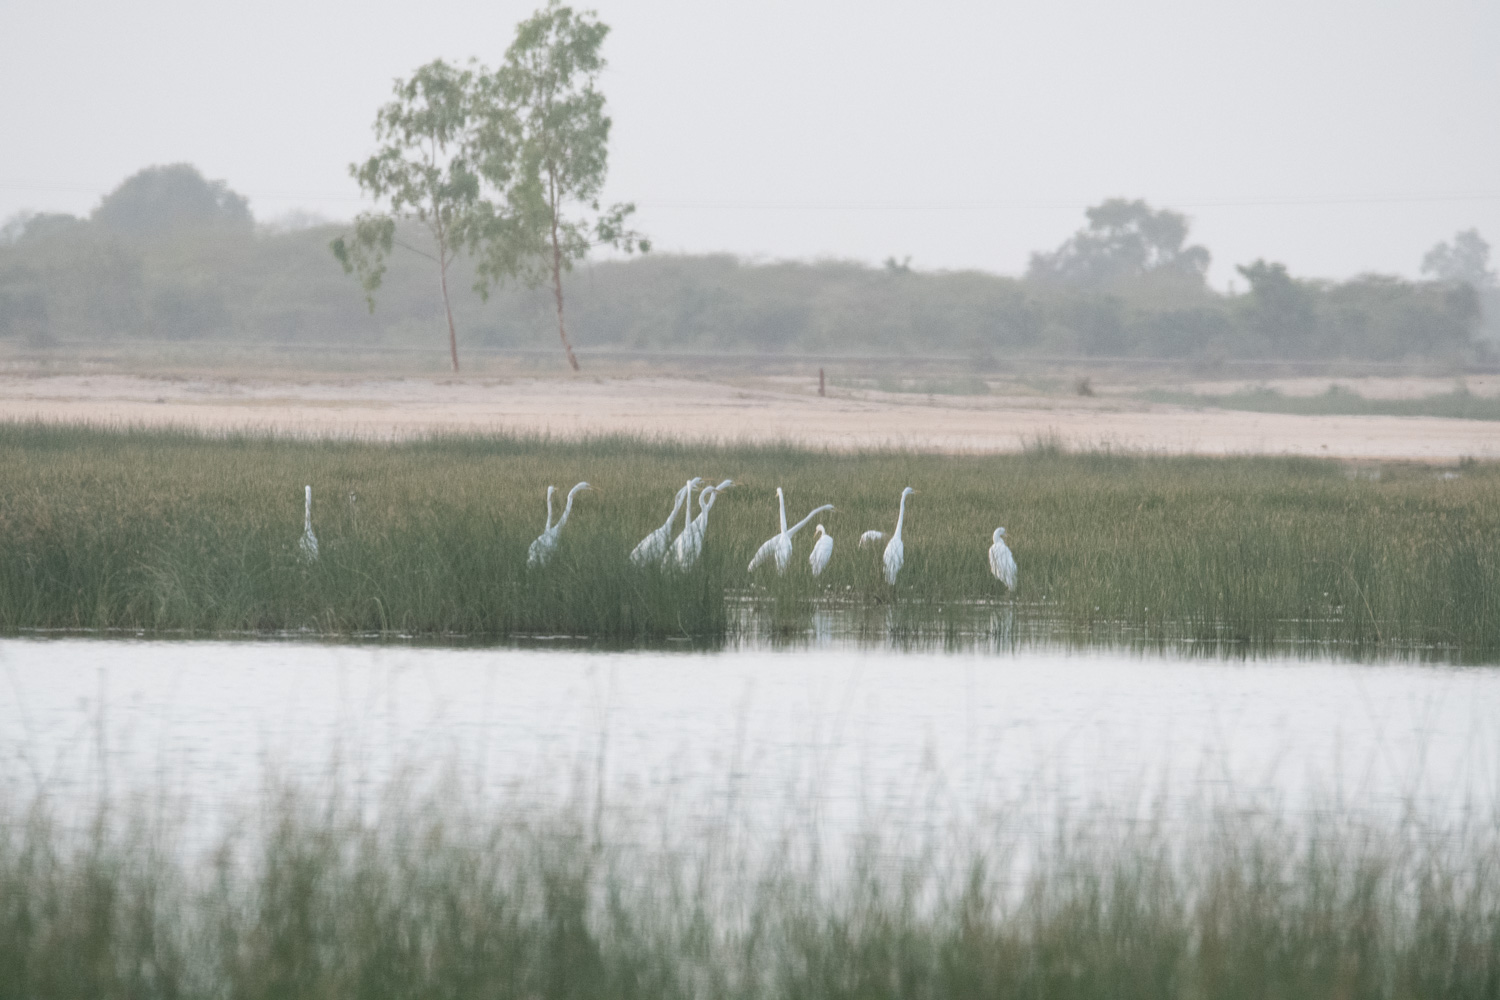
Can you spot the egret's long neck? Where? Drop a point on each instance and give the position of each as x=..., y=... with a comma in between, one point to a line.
x=567, y=508
x=687, y=515
x=705, y=503
x=307, y=510
x=803, y=523
x=781, y=499
x=901, y=516
x=549, y=508
x=676, y=506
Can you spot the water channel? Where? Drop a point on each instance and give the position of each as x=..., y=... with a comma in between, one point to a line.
x=851, y=737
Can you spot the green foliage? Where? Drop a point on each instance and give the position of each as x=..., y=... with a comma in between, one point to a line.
x=160, y=200
x=320, y=893
x=546, y=145
x=1465, y=260
x=173, y=531
x=424, y=171
x=1281, y=309
x=494, y=163
x=67, y=279
x=1125, y=241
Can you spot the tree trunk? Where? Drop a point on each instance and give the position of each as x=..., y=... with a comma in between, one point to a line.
x=562, y=331
x=452, y=334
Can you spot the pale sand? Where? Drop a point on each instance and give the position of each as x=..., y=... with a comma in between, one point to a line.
x=725, y=410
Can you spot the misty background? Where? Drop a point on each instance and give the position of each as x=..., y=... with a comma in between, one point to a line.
x=824, y=177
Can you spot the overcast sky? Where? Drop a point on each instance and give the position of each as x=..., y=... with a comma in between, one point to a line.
x=1335, y=137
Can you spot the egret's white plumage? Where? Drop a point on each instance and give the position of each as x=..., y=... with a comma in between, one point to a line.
x=1002, y=563
x=689, y=544
x=550, y=491
x=895, y=549
x=546, y=543
x=653, y=547
x=769, y=545
x=780, y=545
x=822, y=550
x=871, y=538
x=309, y=542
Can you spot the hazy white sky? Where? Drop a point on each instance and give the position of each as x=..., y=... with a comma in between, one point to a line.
x=1338, y=137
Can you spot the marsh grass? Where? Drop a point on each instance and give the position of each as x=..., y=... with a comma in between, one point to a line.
x=166, y=530
x=1340, y=401
x=319, y=895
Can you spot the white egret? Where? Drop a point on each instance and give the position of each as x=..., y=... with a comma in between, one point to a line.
x=689, y=544
x=546, y=543
x=309, y=543
x=871, y=538
x=822, y=550
x=780, y=545
x=653, y=547
x=1002, y=563
x=895, y=550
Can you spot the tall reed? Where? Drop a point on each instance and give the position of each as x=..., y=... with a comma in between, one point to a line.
x=165, y=530
x=317, y=895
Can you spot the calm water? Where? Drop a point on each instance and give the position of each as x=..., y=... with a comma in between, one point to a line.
x=842, y=736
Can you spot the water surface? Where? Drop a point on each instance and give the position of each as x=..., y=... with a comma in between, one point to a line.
x=841, y=736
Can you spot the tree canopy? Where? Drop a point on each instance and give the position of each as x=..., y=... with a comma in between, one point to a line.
x=506, y=165
x=74, y=280
x=1466, y=260
x=424, y=171
x=166, y=199
x=547, y=146
x=1123, y=241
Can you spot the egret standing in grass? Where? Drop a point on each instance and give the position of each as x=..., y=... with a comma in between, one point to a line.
x=551, y=491
x=1002, y=563
x=689, y=544
x=546, y=543
x=895, y=550
x=309, y=543
x=822, y=550
x=780, y=544
x=653, y=547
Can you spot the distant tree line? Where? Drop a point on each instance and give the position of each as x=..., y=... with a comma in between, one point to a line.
x=170, y=255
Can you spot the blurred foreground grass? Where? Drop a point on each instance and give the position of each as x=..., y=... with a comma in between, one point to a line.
x=164, y=530
x=314, y=895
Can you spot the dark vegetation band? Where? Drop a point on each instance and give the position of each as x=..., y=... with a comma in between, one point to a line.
x=170, y=256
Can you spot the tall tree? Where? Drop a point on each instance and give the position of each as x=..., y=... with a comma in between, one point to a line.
x=547, y=145
x=161, y=200
x=1466, y=259
x=1282, y=309
x=424, y=169
x=1124, y=240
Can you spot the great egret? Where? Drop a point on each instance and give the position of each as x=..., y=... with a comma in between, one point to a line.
x=309, y=543
x=871, y=538
x=895, y=551
x=546, y=543
x=822, y=550
x=1002, y=563
x=780, y=545
x=653, y=547
x=689, y=544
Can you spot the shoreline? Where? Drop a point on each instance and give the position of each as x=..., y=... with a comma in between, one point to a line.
x=725, y=411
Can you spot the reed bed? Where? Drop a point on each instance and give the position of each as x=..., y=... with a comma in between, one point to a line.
x=173, y=530
x=314, y=895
